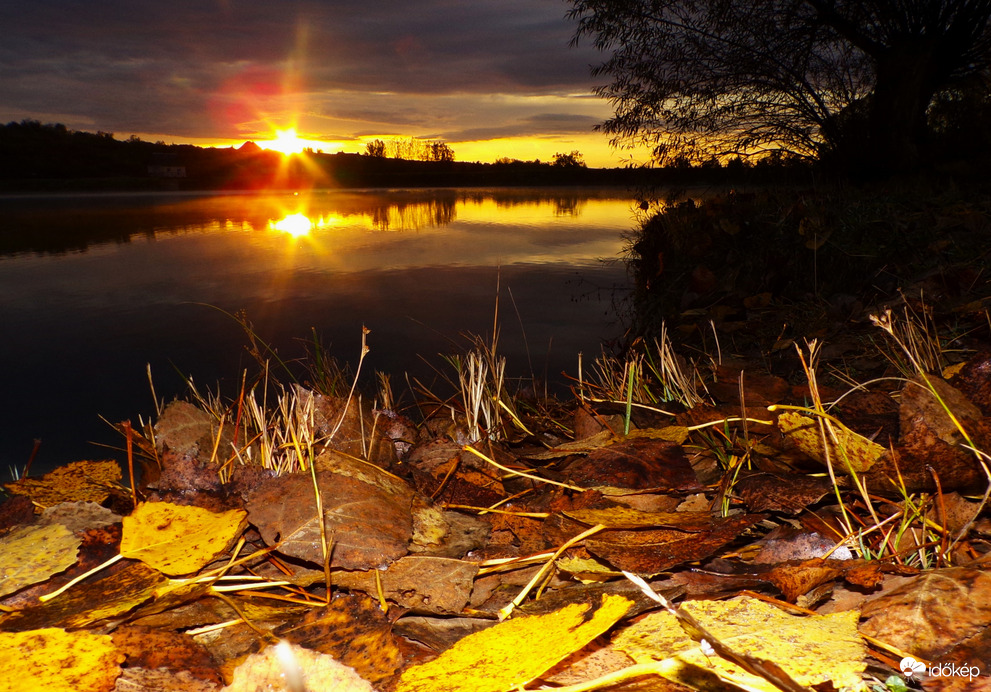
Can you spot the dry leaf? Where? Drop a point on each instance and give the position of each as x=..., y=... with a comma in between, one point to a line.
x=514, y=652
x=848, y=451
x=53, y=660
x=810, y=649
x=933, y=612
x=31, y=554
x=80, y=481
x=426, y=584
x=103, y=597
x=369, y=519
x=352, y=629
x=178, y=539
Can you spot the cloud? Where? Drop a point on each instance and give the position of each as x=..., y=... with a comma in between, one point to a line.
x=220, y=68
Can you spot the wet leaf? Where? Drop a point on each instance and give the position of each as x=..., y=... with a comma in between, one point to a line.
x=31, y=554
x=810, y=649
x=80, y=481
x=352, y=629
x=53, y=660
x=514, y=652
x=848, y=452
x=933, y=612
x=178, y=539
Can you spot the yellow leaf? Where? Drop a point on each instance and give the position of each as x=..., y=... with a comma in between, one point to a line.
x=177, y=539
x=54, y=660
x=514, y=652
x=80, y=481
x=630, y=518
x=31, y=554
x=848, y=451
x=811, y=649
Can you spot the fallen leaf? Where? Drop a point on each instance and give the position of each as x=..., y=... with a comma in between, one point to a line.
x=933, y=612
x=792, y=493
x=178, y=539
x=162, y=650
x=425, y=584
x=103, y=598
x=54, y=660
x=370, y=525
x=80, y=481
x=352, y=629
x=627, y=518
x=31, y=554
x=810, y=649
x=514, y=652
x=651, y=552
x=847, y=451
x=638, y=464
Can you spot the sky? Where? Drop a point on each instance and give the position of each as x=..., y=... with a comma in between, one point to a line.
x=491, y=78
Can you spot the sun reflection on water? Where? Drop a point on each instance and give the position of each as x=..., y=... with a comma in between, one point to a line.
x=296, y=225
x=300, y=224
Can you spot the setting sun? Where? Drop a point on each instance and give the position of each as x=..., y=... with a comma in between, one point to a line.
x=286, y=142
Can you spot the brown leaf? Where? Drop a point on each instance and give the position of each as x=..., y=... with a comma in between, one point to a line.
x=443, y=471
x=974, y=381
x=370, y=524
x=798, y=580
x=173, y=651
x=933, y=612
x=760, y=389
x=424, y=584
x=919, y=405
x=919, y=450
x=791, y=493
x=354, y=433
x=352, y=629
x=652, y=552
x=186, y=430
x=636, y=464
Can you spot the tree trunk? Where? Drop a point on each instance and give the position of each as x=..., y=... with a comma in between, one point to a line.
x=897, y=121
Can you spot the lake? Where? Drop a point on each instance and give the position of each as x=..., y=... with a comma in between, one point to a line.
x=94, y=288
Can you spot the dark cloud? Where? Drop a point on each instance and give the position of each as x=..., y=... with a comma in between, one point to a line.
x=221, y=68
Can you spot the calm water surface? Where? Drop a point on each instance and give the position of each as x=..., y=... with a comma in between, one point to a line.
x=94, y=288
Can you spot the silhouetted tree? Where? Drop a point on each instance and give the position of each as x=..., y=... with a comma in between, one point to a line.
x=573, y=159
x=375, y=148
x=441, y=152
x=806, y=76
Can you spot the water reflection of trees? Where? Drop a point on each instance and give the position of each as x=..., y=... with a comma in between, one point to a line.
x=412, y=216
x=75, y=223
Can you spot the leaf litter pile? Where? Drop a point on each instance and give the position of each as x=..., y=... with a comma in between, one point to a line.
x=679, y=526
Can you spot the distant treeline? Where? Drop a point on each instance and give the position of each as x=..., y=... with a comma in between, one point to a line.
x=36, y=156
